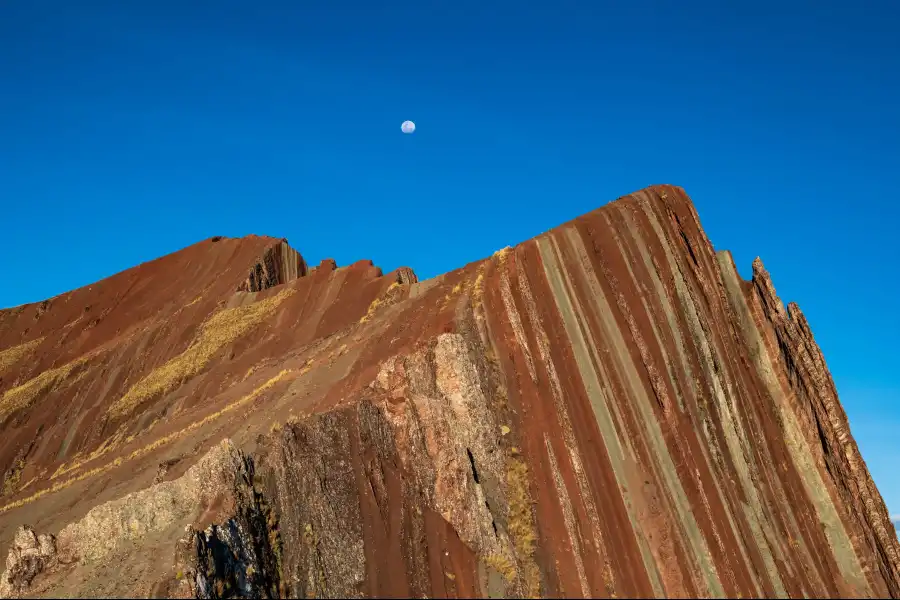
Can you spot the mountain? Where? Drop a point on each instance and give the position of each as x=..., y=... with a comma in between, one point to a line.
x=605, y=410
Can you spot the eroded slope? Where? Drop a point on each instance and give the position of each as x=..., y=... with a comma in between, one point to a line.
x=605, y=410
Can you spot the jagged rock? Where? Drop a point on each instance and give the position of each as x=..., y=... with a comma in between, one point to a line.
x=406, y=275
x=28, y=557
x=607, y=410
x=280, y=264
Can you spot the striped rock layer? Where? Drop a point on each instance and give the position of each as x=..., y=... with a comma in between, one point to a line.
x=604, y=410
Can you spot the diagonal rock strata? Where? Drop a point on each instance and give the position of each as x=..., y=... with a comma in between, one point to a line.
x=605, y=410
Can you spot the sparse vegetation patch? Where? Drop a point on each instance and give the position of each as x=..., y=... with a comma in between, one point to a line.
x=502, y=254
x=150, y=447
x=24, y=395
x=390, y=296
x=11, y=356
x=521, y=522
x=222, y=329
x=502, y=565
x=13, y=476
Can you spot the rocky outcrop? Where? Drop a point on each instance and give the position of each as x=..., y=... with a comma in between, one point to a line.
x=236, y=553
x=406, y=275
x=607, y=410
x=28, y=557
x=279, y=265
x=824, y=422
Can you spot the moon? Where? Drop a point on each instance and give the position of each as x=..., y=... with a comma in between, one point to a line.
x=408, y=127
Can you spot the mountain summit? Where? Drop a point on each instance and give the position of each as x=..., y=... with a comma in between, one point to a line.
x=606, y=410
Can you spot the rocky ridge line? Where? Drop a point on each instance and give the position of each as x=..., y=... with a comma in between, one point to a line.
x=605, y=410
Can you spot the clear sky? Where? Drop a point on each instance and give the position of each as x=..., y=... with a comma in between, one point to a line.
x=131, y=129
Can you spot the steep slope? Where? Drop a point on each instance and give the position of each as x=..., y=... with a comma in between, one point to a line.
x=605, y=410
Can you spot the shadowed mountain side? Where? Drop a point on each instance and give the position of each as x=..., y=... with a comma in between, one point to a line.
x=604, y=410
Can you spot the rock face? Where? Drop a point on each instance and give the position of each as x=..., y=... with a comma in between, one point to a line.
x=29, y=556
x=604, y=410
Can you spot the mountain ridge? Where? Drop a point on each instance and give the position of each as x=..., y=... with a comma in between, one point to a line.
x=607, y=408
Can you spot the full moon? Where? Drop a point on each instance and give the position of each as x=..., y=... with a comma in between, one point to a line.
x=408, y=127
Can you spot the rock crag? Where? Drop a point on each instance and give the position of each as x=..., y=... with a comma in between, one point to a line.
x=607, y=410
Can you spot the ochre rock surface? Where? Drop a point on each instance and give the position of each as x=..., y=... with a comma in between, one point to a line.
x=604, y=410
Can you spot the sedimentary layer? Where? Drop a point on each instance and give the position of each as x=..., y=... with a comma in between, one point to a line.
x=605, y=410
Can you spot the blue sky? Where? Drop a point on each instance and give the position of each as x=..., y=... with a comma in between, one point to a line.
x=131, y=129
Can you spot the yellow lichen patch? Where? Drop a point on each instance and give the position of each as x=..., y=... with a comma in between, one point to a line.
x=609, y=581
x=502, y=565
x=150, y=447
x=24, y=395
x=222, y=329
x=445, y=302
x=504, y=430
x=372, y=308
x=465, y=286
x=309, y=536
x=389, y=296
x=502, y=254
x=13, y=477
x=11, y=356
x=478, y=287
x=521, y=522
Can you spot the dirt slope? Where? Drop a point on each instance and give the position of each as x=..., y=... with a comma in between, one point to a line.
x=605, y=410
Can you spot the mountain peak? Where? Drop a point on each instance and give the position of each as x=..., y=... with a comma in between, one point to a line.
x=605, y=410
